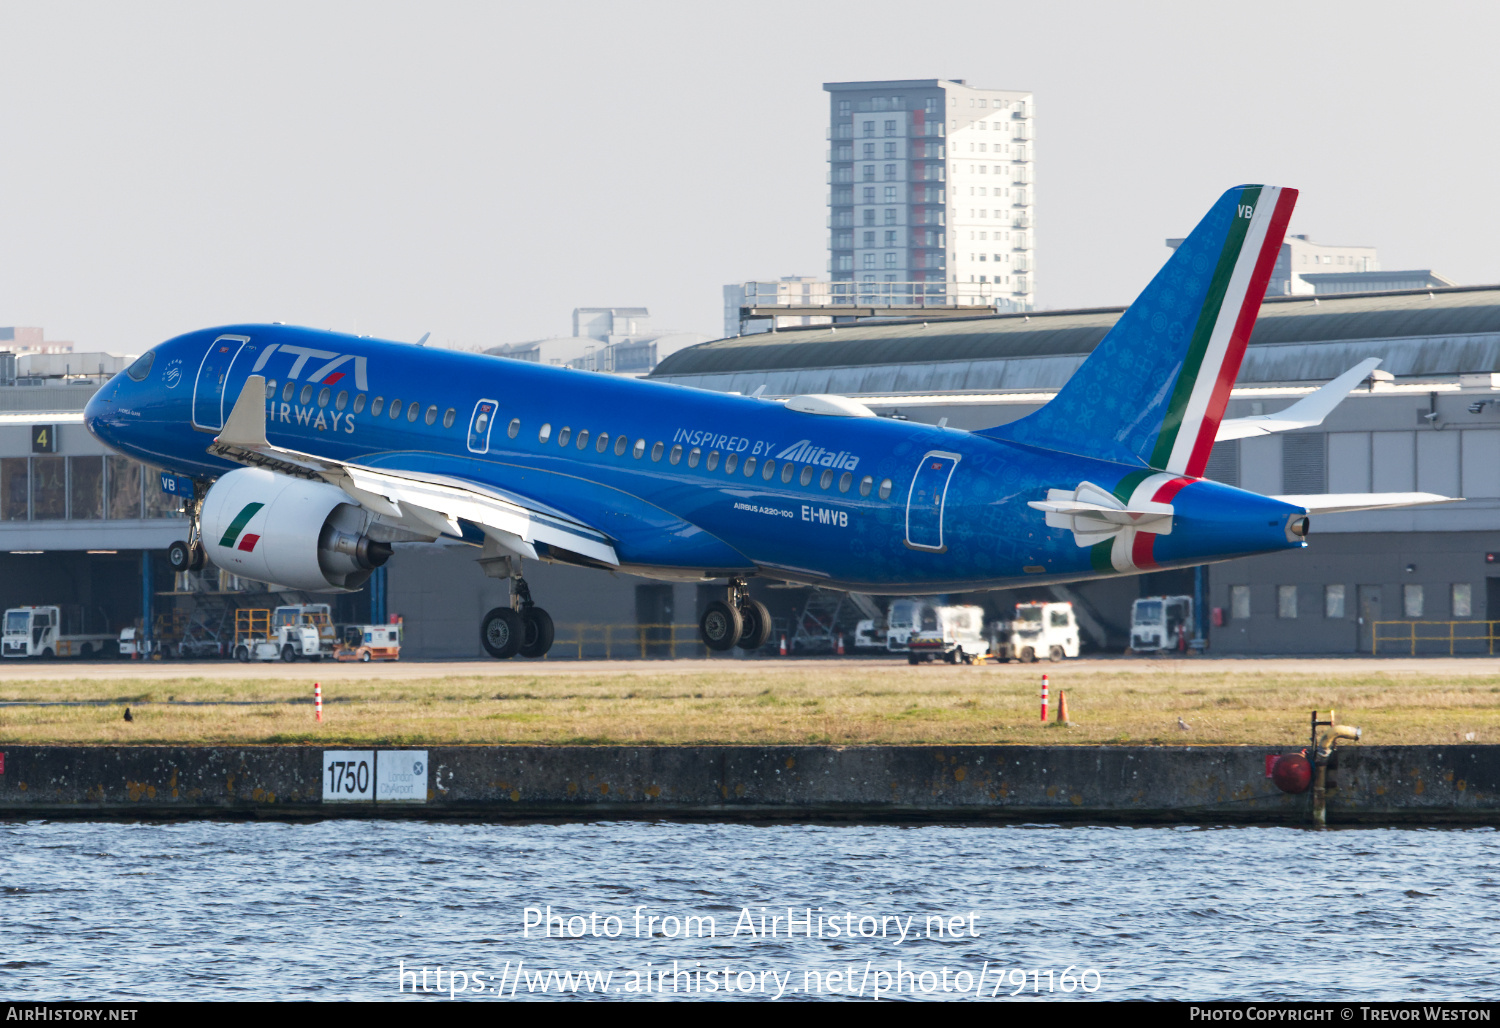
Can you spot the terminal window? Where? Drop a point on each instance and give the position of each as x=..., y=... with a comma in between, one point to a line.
x=1333, y=601
x=1286, y=601
x=1463, y=605
x=1412, y=600
x=1239, y=602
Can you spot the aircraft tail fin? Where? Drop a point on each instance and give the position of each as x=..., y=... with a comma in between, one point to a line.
x=1154, y=390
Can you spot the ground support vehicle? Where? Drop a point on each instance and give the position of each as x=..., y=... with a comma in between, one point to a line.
x=133, y=644
x=1160, y=623
x=252, y=636
x=365, y=643
x=53, y=631
x=1036, y=630
x=303, y=630
x=870, y=634
x=954, y=634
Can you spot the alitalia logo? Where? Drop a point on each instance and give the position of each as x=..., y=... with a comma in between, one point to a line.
x=232, y=538
x=804, y=452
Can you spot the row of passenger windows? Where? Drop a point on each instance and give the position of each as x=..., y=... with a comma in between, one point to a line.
x=341, y=402
x=710, y=461
x=601, y=441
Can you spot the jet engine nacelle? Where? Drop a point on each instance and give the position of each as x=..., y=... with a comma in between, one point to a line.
x=289, y=531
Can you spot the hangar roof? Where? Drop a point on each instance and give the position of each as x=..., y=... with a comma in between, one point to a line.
x=1445, y=331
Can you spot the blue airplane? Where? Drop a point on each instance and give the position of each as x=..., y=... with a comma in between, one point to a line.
x=313, y=453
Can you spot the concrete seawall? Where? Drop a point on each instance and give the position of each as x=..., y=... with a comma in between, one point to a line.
x=1371, y=784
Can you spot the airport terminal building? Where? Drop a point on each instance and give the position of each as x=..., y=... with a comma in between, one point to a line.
x=81, y=526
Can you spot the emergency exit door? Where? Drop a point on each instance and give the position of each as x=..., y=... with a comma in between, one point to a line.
x=213, y=373
x=926, y=499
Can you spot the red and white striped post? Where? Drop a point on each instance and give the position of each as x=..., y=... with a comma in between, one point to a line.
x=1044, y=697
x=318, y=701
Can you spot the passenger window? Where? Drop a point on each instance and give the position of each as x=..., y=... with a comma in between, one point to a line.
x=676, y=457
x=602, y=443
x=749, y=466
x=431, y=414
x=583, y=439
x=866, y=484
x=449, y=417
x=885, y=489
x=807, y=474
x=768, y=470
x=286, y=391
x=324, y=396
x=787, y=471
x=713, y=460
x=845, y=481
x=827, y=479
x=359, y=403
x=657, y=451
x=515, y=428
x=545, y=433
x=730, y=463
x=640, y=449
x=413, y=409
x=306, y=394
x=620, y=444
x=342, y=400
x=563, y=434
x=271, y=389
x=376, y=406
x=694, y=456
x=395, y=409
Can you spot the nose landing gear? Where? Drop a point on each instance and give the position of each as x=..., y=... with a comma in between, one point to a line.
x=740, y=621
x=189, y=555
x=523, y=628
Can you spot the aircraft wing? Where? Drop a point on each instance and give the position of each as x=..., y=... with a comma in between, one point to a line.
x=1305, y=413
x=429, y=504
x=1337, y=503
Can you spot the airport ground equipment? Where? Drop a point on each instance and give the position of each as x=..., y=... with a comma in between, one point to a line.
x=303, y=630
x=365, y=643
x=56, y=631
x=1034, y=631
x=253, y=639
x=133, y=644
x=1160, y=623
x=954, y=634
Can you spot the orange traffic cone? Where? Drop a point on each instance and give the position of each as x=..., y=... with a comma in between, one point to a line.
x=841, y=644
x=1062, y=707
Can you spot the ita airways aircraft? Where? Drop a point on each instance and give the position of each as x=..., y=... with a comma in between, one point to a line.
x=315, y=453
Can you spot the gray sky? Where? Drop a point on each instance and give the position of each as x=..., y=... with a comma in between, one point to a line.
x=478, y=170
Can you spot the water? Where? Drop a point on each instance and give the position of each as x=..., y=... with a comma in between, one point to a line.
x=331, y=910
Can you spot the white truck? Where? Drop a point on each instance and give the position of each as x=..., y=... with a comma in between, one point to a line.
x=132, y=643
x=304, y=630
x=56, y=631
x=1036, y=630
x=955, y=634
x=1160, y=623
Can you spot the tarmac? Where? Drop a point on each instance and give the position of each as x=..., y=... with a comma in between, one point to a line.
x=229, y=670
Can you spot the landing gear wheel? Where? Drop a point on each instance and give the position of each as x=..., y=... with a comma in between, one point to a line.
x=757, y=627
x=288, y=654
x=537, y=632
x=179, y=555
x=501, y=632
x=196, y=557
x=1055, y=654
x=721, y=626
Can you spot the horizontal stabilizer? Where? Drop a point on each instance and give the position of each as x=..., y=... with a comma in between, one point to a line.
x=1338, y=503
x=1305, y=413
x=1113, y=515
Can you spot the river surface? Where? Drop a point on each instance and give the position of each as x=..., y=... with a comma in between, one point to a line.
x=338, y=909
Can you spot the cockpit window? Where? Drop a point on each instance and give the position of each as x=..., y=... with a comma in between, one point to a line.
x=142, y=366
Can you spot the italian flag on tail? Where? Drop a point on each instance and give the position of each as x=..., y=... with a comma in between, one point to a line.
x=1223, y=327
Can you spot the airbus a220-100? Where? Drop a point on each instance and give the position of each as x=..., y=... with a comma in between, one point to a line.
x=314, y=453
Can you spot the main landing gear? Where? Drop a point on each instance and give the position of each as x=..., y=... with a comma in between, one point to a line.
x=741, y=621
x=523, y=628
x=189, y=556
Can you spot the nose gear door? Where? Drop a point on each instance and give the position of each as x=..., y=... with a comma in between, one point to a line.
x=208, y=390
x=924, y=502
